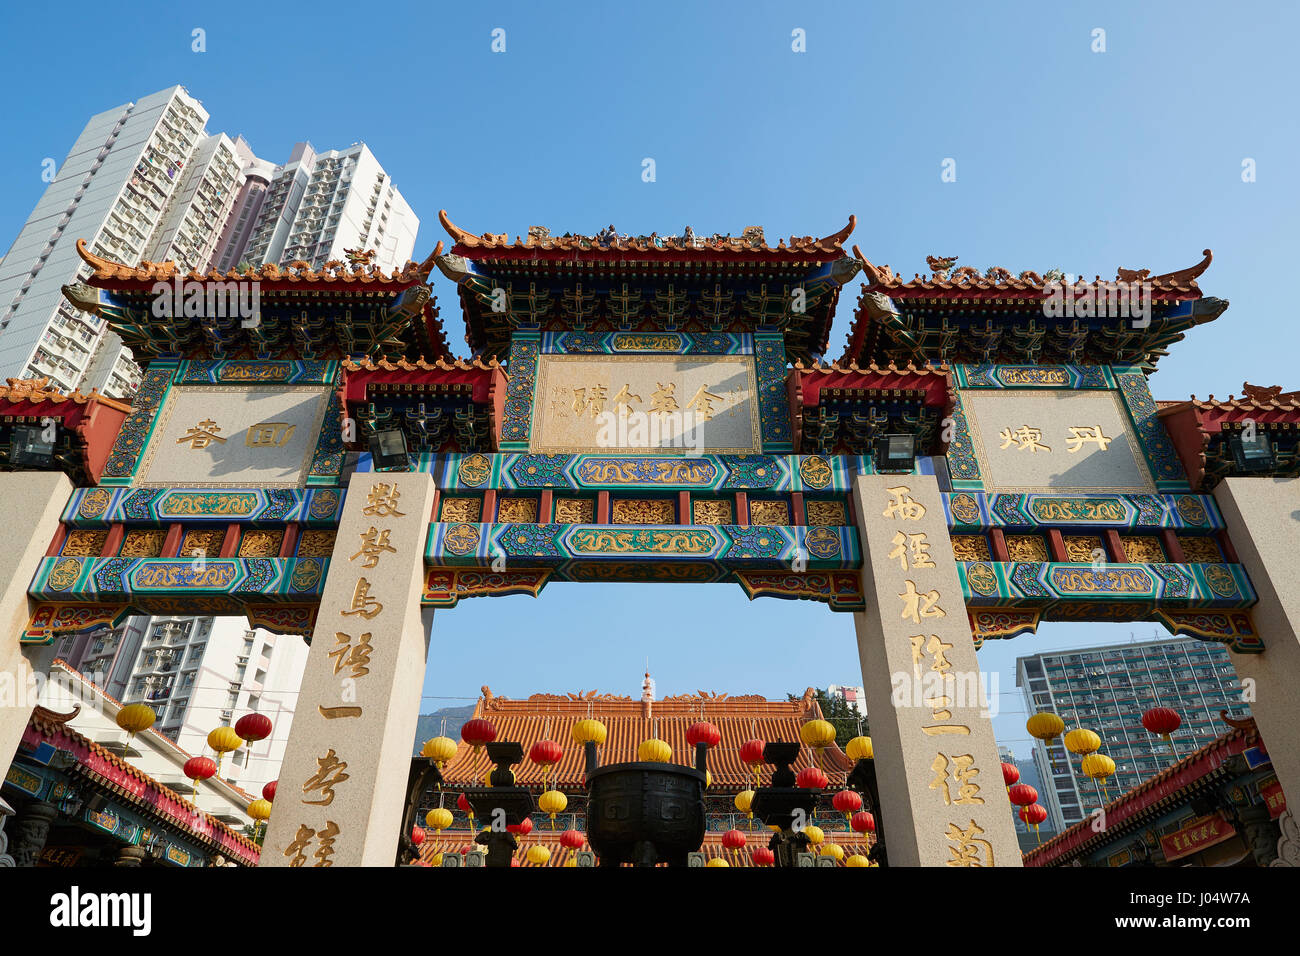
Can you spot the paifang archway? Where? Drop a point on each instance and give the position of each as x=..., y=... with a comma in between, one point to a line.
x=1046, y=483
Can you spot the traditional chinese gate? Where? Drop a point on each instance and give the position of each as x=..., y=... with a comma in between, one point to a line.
x=650, y=429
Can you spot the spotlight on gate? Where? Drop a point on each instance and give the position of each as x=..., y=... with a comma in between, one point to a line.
x=1253, y=453
x=388, y=450
x=895, y=453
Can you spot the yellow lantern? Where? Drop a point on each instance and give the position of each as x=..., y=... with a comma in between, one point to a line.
x=818, y=735
x=859, y=748
x=538, y=855
x=833, y=849
x=436, y=860
x=438, y=819
x=708, y=779
x=134, y=718
x=260, y=810
x=814, y=835
x=1099, y=767
x=1082, y=742
x=857, y=859
x=655, y=750
x=552, y=802
x=589, y=731
x=1045, y=726
x=744, y=803
x=571, y=861
x=223, y=740
x=439, y=750
x=717, y=861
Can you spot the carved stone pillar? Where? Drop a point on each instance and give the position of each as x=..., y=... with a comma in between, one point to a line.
x=31, y=829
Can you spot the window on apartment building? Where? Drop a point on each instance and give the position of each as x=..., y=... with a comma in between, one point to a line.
x=232, y=699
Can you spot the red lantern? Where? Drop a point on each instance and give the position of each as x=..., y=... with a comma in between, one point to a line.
x=478, y=732
x=523, y=828
x=862, y=822
x=573, y=839
x=1010, y=773
x=751, y=752
x=811, y=778
x=544, y=753
x=417, y=835
x=253, y=727
x=703, y=732
x=199, y=768
x=733, y=839
x=1033, y=814
x=1162, y=720
x=514, y=861
x=1022, y=795
x=466, y=850
x=847, y=802
x=762, y=856
x=462, y=804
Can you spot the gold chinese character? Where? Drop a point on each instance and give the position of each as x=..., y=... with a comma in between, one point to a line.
x=967, y=789
x=621, y=400
x=1025, y=437
x=328, y=775
x=1085, y=433
x=373, y=544
x=592, y=399
x=382, y=501
x=913, y=546
x=935, y=647
x=702, y=402
x=326, y=849
x=299, y=844
x=202, y=435
x=967, y=852
x=334, y=713
x=914, y=608
x=662, y=400
x=269, y=433
x=362, y=602
x=357, y=658
x=902, y=506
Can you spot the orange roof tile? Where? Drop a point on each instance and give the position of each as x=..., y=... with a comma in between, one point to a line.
x=552, y=716
x=966, y=279
x=540, y=240
x=297, y=272
x=33, y=390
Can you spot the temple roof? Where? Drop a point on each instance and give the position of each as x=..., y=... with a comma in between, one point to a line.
x=1200, y=430
x=616, y=283
x=611, y=244
x=357, y=272
x=958, y=315
x=1151, y=798
x=945, y=278
x=88, y=425
x=343, y=309
x=552, y=716
x=33, y=391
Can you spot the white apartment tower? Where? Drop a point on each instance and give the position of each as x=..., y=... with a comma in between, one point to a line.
x=142, y=181
x=199, y=673
x=320, y=204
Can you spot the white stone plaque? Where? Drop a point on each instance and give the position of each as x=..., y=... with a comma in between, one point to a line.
x=1038, y=440
x=234, y=436
x=645, y=404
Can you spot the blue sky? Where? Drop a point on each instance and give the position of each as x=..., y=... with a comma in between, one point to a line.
x=1064, y=158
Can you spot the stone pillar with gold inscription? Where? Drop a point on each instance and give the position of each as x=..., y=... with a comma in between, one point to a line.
x=342, y=784
x=942, y=799
x=30, y=506
x=1262, y=516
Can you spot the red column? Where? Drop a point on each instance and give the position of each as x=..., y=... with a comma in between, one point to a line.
x=56, y=545
x=230, y=543
x=684, y=515
x=1056, y=545
x=290, y=542
x=602, y=507
x=113, y=543
x=742, y=509
x=798, y=513
x=546, y=508
x=172, y=543
x=489, y=506
x=1115, y=546
x=1173, y=548
x=998, y=545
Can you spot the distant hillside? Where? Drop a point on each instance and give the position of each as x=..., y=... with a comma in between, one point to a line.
x=430, y=725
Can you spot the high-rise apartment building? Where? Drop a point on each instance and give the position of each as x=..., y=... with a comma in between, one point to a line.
x=145, y=181
x=142, y=181
x=199, y=673
x=1107, y=690
x=320, y=204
